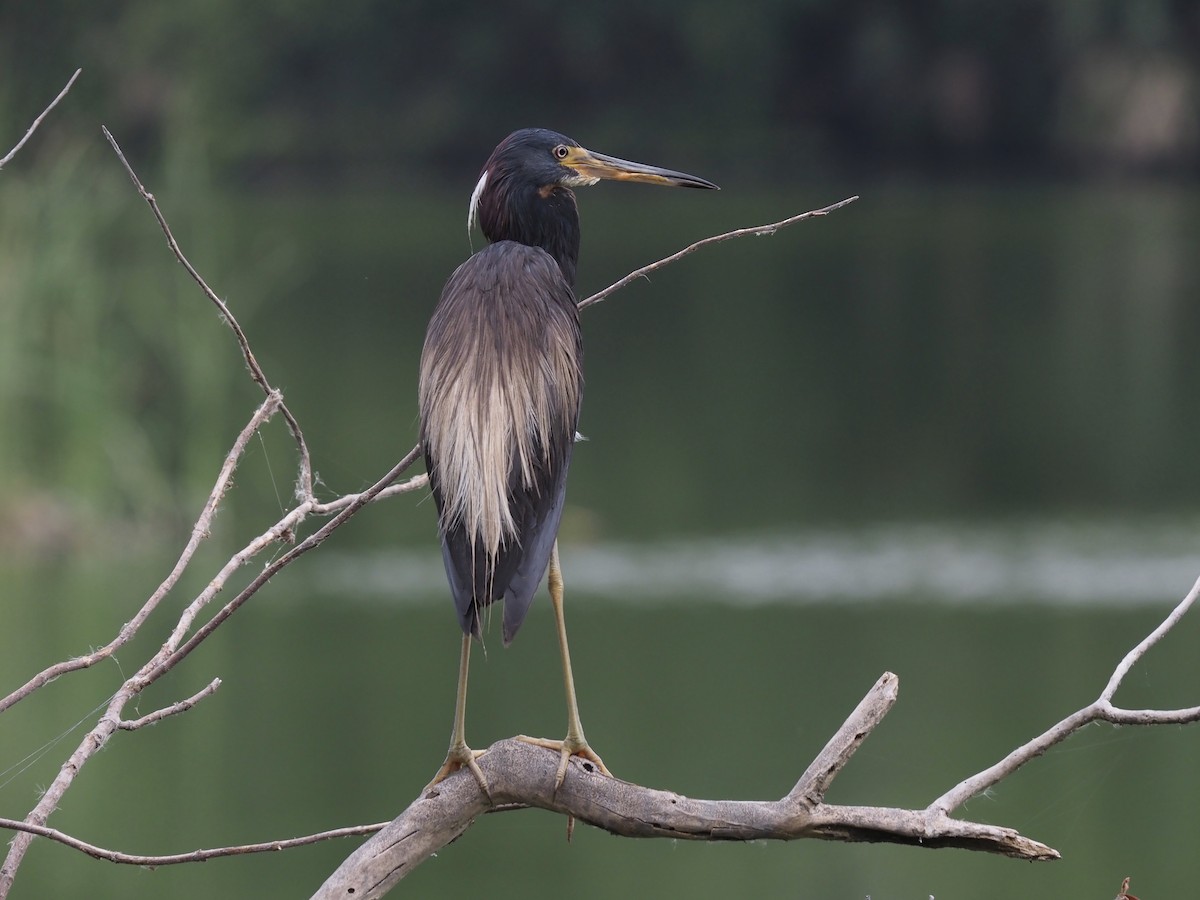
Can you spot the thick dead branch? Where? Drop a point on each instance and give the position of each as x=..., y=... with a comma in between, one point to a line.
x=523, y=775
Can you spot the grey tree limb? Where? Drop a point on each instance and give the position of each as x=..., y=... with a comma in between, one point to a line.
x=522, y=775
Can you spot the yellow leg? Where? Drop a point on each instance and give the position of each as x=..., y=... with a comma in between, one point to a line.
x=460, y=754
x=575, y=744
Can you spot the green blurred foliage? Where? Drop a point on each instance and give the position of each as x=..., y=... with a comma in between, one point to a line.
x=771, y=89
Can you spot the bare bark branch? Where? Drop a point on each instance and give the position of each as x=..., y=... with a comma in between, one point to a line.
x=110, y=721
x=38, y=121
x=755, y=231
x=199, y=533
x=1101, y=710
x=313, y=540
x=176, y=648
x=162, y=662
x=520, y=773
x=133, y=859
x=304, y=484
x=173, y=709
x=406, y=487
x=815, y=781
x=1132, y=657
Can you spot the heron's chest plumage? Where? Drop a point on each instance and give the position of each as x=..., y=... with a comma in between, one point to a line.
x=501, y=386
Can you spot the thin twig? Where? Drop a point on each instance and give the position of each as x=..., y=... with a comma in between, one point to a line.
x=313, y=540
x=200, y=532
x=754, y=231
x=133, y=859
x=304, y=486
x=1102, y=709
x=415, y=483
x=171, y=652
x=173, y=709
x=38, y=121
x=1132, y=657
x=97, y=738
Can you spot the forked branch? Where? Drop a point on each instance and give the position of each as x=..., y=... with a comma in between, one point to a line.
x=521, y=775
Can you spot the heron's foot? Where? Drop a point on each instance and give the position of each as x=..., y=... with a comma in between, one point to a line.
x=461, y=756
x=568, y=747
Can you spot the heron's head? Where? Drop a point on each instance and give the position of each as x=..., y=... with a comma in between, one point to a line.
x=536, y=163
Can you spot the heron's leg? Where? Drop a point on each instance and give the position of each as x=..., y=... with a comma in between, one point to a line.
x=575, y=744
x=460, y=754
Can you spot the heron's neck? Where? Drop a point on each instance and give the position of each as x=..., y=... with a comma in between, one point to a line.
x=539, y=218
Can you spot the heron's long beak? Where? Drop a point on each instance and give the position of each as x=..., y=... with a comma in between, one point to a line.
x=593, y=166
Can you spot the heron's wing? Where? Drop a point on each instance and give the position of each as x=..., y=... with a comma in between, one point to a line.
x=464, y=569
x=541, y=514
x=501, y=384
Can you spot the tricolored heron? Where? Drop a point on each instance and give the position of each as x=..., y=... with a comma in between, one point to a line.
x=500, y=391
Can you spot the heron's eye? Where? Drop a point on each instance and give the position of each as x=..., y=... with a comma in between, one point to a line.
x=560, y=152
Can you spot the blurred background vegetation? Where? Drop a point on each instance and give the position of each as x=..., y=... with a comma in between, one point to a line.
x=948, y=431
x=789, y=89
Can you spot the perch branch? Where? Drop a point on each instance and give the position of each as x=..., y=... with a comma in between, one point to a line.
x=38, y=121
x=522, y=774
